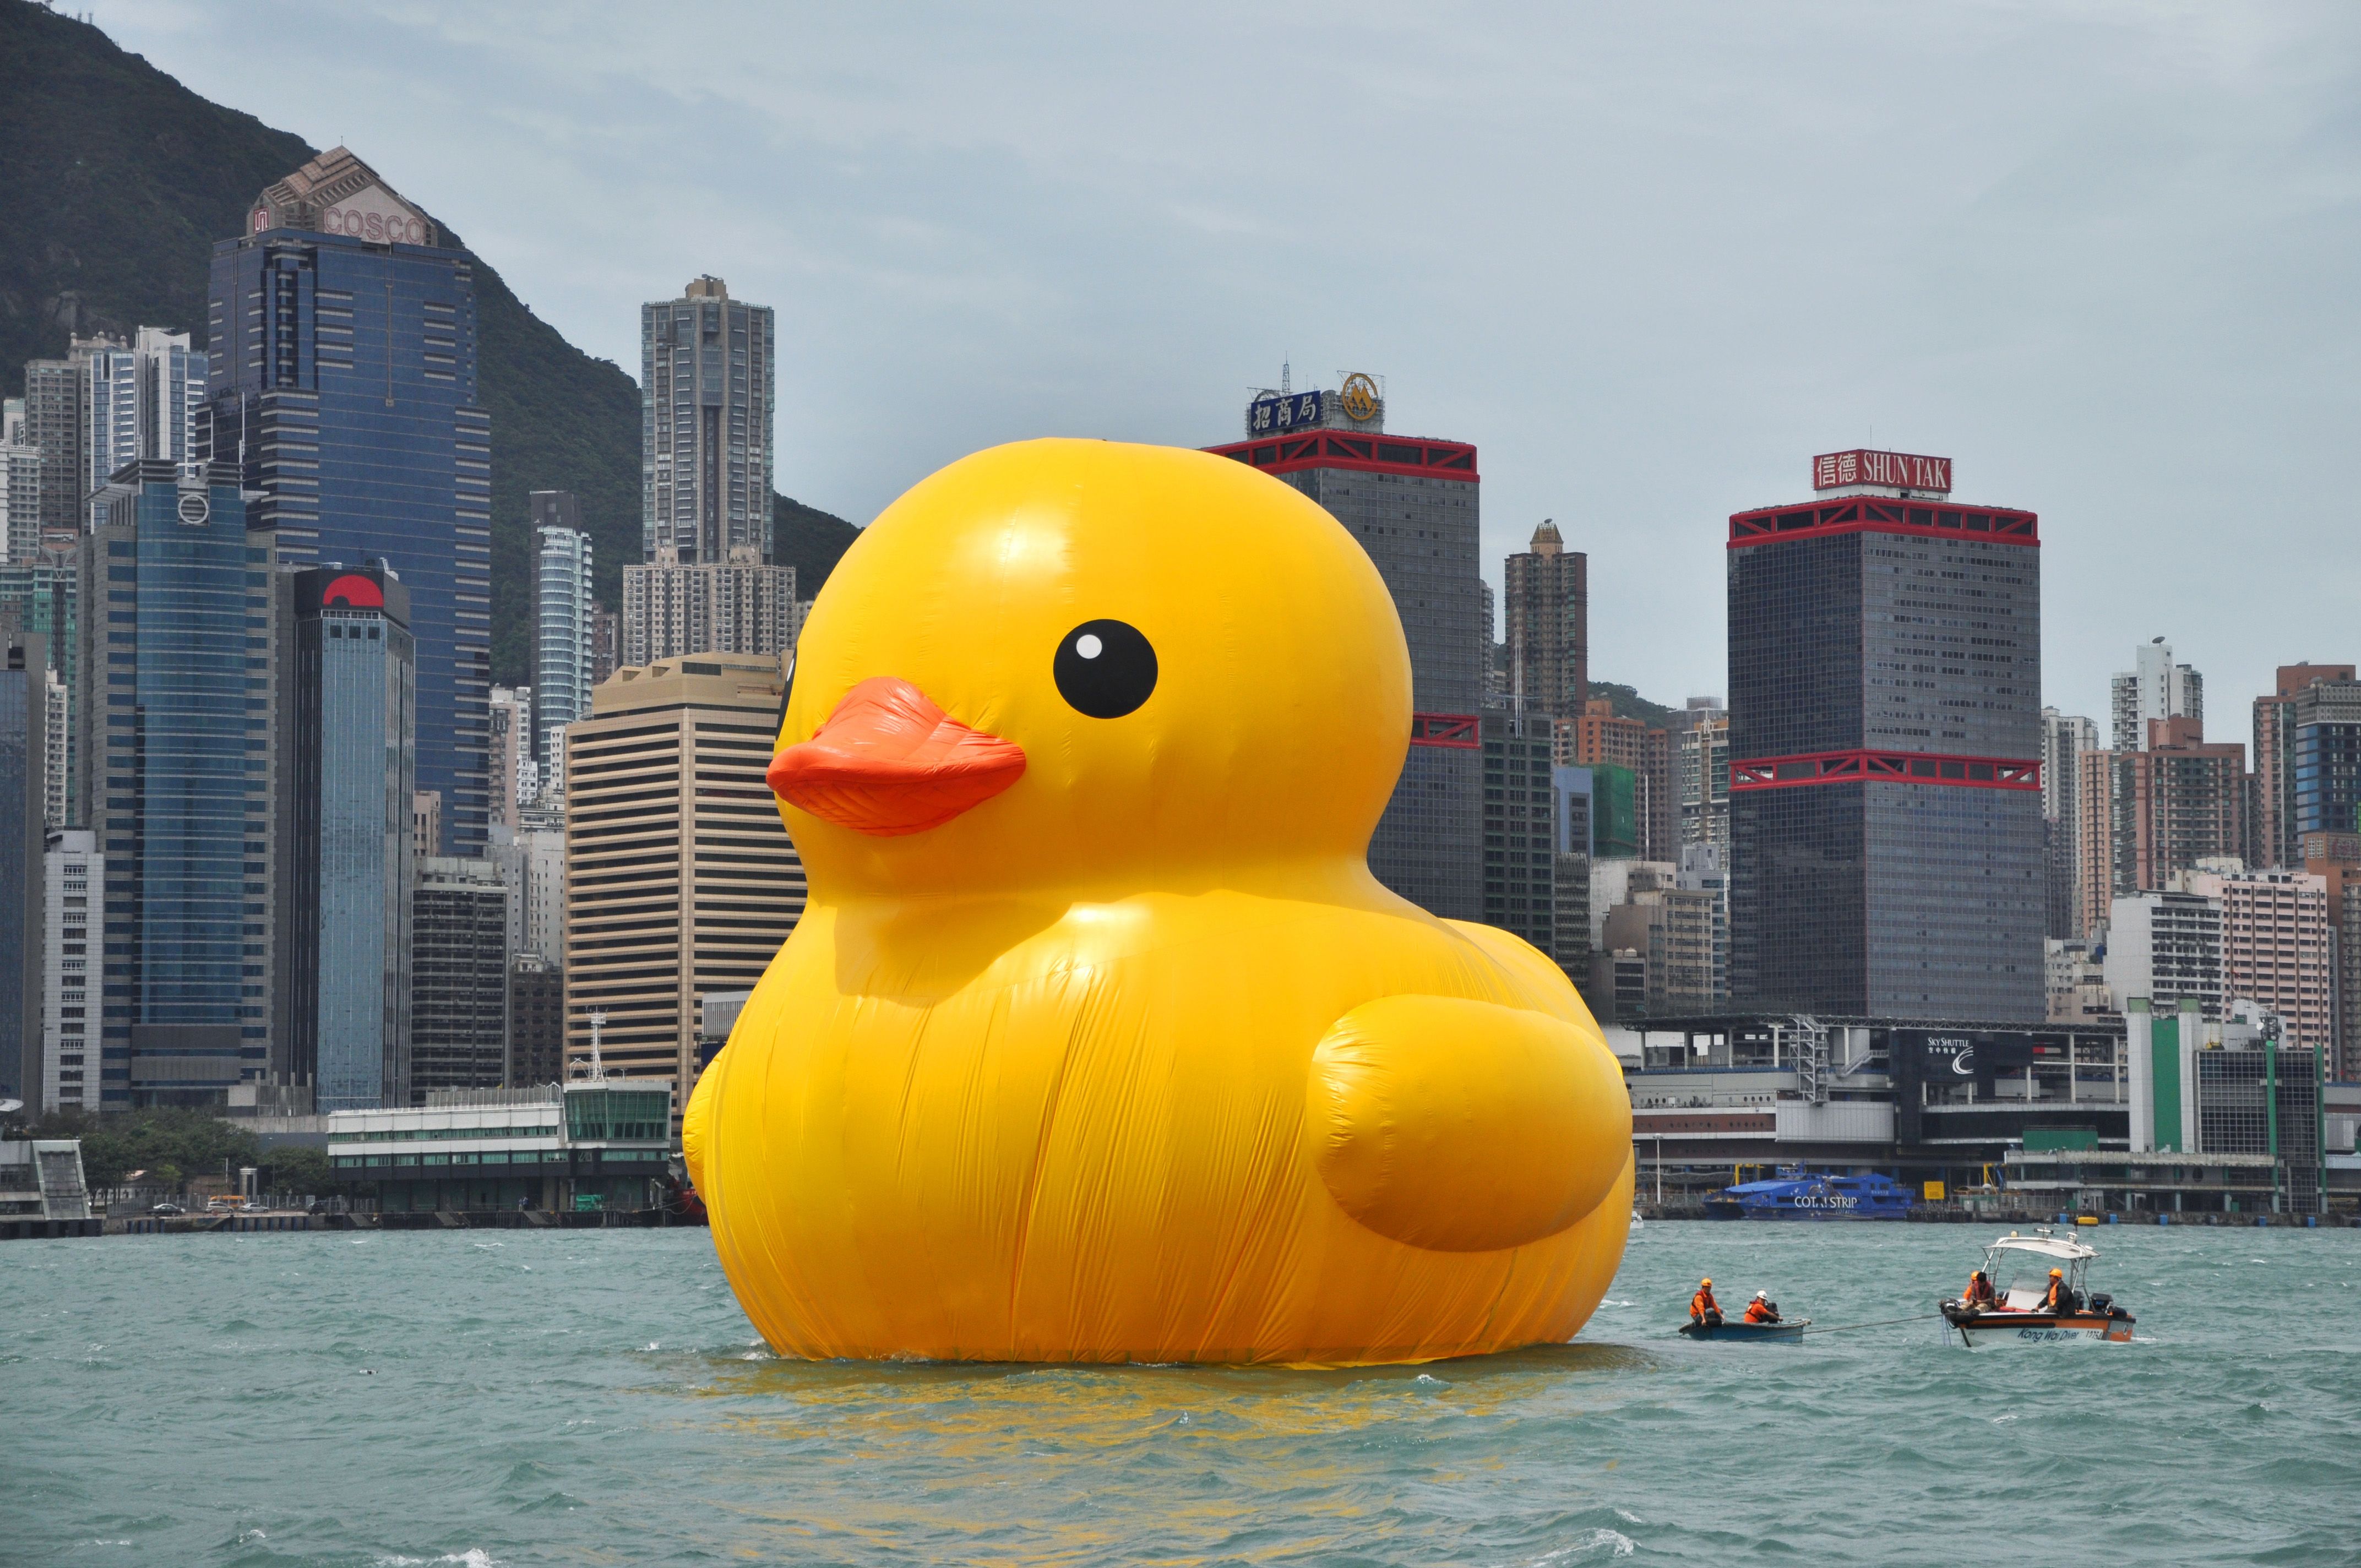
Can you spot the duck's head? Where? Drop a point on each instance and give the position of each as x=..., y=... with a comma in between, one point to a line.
x=1095, y=666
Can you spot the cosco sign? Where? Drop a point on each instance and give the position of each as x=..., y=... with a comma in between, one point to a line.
x=385, y=228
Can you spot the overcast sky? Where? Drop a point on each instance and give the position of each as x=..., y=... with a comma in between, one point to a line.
x=1649, y=259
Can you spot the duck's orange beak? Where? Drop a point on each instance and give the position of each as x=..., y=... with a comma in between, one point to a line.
x=888, y=761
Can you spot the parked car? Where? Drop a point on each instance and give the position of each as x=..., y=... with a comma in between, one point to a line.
x=167, y=1209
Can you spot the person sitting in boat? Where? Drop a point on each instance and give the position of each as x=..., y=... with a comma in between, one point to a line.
x=1703, y=1308
x=2060, y=1297
x=1762, y=1309
x=1980, y=1296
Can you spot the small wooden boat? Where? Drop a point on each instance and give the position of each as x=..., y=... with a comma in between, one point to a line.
x=1789, y=1331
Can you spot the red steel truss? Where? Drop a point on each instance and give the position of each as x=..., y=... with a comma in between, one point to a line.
x=1368, y=454
x=1894, y=767
x=1458, y=731
x=1863, y=514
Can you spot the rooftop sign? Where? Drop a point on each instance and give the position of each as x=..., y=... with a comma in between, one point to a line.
x=1902, y=470
x=337, y=193
x=1274, y=413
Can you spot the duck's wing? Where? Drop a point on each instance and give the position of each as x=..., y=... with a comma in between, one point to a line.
x=1465, y=1126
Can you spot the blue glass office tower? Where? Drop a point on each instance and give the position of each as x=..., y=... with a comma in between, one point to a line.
x=344, y=382
x=347, y=696
x=2327, y=754
x=176, y=731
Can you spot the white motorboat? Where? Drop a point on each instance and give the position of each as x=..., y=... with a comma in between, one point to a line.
x=2017, y=1314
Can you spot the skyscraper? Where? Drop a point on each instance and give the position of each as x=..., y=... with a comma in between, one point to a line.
x=2327, y=723
x=536, y=1022
x=1597, y=734
x=41, y=594
x=344, y=382
x=20, y=498
x=347, y=747
x=74, y=874
x=2278, y=946
x=23, y=715
x=458, y=976
x=2154, y=687
x=707, y=392
x=56, y=774
x=2066, y=741
x=147, y=401
x=2276, y=835
x=2151, y=814
x=680, y=878
x=508, y=758
x=561, y=623
x=1701, y=760
x=606, y=643
x=2165, y=947
x=2335, y=859
x=1549, y=626
x=1411, y=503
x=1524, y=821
x=1885, y=774
x=174, y=771
x=532, y=859
x=708, y=607
x=57, y=420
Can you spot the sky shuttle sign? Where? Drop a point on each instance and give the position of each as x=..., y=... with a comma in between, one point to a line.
x=1902, y=470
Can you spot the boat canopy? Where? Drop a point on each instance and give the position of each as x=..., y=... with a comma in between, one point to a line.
x=2049, y=1247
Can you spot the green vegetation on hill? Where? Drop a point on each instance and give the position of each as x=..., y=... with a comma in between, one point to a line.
x=810, y=541
x=116, y=181
x=1630, y=704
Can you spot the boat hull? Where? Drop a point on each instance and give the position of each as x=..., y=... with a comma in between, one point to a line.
x=1761, y=1333
x=1723, y=1211
x=1985, y=1330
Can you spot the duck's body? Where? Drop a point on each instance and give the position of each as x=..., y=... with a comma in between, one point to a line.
x=1186, y=1087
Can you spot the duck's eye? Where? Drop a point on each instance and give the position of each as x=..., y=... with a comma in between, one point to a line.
x=1105, y=668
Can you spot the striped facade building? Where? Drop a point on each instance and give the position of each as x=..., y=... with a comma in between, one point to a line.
x=681, y=880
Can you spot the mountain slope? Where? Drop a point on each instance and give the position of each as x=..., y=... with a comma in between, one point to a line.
x=117, y=180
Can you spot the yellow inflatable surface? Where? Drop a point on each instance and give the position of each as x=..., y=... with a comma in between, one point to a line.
x=1097, y=1040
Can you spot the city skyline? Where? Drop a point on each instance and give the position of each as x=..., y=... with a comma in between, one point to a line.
x=2106, y=321
x=296, y=365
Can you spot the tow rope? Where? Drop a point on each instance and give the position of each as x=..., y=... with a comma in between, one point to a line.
x=1880, y=1324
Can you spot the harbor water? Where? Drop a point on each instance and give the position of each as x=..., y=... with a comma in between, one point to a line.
x=596, y=1396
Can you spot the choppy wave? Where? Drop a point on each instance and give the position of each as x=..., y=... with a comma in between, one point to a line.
x=596, y=1396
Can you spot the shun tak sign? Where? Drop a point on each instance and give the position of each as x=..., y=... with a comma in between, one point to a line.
x=1902, y=470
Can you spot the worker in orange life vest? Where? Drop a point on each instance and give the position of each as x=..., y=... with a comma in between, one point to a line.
x=2060, y=1297
x=1703, y=1308
x=1762, y=1310
x=1979, y=1296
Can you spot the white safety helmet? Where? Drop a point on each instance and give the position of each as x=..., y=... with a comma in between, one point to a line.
x=1763, y=1295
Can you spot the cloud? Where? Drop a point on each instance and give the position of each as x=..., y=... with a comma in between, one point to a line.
x=1649, y=259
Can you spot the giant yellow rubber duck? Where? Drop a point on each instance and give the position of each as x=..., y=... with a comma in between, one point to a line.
x=1098, y=1042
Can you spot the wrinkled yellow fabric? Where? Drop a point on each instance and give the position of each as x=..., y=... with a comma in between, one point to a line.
x=1136, y=1061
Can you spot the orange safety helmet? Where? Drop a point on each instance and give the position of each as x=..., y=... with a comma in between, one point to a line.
x=2056, y=1273
x=1703, y=1283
